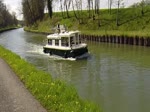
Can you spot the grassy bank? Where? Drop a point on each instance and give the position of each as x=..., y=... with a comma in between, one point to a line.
x=131, y=22
x=54, y=95
x=8, y=28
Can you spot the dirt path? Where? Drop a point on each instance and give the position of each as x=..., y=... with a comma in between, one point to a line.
x=14, y=97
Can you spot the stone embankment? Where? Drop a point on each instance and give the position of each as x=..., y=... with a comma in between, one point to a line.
x=140, y=41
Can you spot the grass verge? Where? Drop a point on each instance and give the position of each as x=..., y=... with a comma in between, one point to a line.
x=7, y=29
x=130, y=22
x=54, y=95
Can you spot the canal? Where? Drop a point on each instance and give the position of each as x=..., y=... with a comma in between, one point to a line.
x=114, y=76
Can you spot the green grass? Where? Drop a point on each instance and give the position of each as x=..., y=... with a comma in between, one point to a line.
x=131, y=22
x=54, y=95
x=8, y=28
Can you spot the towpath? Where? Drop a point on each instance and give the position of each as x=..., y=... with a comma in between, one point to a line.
x=14, y=97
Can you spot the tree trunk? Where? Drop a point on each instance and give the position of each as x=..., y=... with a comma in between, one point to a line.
x=89, y=6
x=49, y=5
x=62, y=13
x=74, y=10
x=142, y=11
x=117, y=17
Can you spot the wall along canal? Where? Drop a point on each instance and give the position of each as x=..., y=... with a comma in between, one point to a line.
x=117, y=77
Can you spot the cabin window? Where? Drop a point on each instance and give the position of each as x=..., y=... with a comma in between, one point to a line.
x=71, y=40
x=56, y=42
x=77, y=38
x=64, y=41
x=49, y=42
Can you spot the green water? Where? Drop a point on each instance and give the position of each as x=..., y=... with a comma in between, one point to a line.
x=116, y=77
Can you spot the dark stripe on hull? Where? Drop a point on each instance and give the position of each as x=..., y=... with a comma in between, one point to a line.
x=66, y=53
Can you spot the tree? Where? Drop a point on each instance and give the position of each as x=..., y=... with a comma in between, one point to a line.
x=50, y=10
x=110, y=3
x=147, y=2
x=142, y=5
x=89, y=7
x=61, y=8
x=66, y=6
x=6, y=19
x=14, y=18
x=33, y=10
x=73, y=6
x=97, y=2
x=98, y=11
x=119, y=3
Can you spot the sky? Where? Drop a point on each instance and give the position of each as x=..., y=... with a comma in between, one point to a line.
x=15, y=6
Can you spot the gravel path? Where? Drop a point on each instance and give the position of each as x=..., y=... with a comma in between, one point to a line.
x=14, y=97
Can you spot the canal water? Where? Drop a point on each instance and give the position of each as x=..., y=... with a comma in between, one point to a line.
x=116, y=77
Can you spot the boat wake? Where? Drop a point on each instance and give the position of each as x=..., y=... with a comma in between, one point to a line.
x=35, y=49
x=84, y=56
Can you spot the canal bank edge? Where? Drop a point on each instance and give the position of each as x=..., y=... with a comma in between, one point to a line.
x=36, y=31
x=139, y=41
x=54, y=95
x=8, y=29
x=119, y=39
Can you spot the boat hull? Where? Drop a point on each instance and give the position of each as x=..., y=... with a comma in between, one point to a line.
x=73, y=53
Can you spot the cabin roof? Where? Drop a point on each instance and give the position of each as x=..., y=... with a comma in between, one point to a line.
x=59, y=35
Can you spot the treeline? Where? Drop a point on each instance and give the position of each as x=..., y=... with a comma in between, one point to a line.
x=33, y=10
x=6, y=19
x=93, y=9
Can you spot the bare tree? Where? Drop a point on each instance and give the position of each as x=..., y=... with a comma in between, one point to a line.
x=6, y=19
x=142, y=5
x=89, y=8
x=110, y=5
x=73, y=6
x=119, y=3
x=33, y=10
x=61, y=8
x=67, y=5
x=49, y=6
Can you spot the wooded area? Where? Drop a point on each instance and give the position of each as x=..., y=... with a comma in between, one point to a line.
x=33, y=10
x=6, y=18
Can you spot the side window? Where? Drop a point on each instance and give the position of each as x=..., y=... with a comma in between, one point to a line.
x=77, y=38
x=56, y=42
x=64, y=41
x=71, y=40
x=49, y=42
x=80, y=39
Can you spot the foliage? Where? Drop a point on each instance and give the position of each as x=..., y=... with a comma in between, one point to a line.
x=54, y=95
x=33, y=10
x=6, y=19
x=8, y=28
x=131, y=22
x=49, y=6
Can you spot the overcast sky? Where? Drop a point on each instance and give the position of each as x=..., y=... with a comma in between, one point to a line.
x=15, y=5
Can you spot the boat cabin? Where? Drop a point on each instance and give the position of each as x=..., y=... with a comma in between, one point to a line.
x=64, y=39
